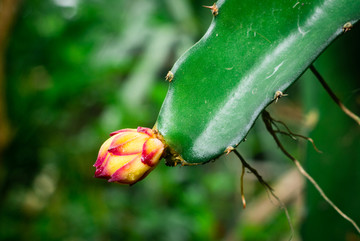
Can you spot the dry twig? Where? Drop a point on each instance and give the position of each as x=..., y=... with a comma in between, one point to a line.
x=268, y=188
x=333, y=96
x=242, y=186
x=268, y=123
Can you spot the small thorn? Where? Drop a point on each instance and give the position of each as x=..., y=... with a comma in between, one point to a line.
x=347, y=27
x=229, y=149
x=214, y=9
x=169, y=77
x=278, y=95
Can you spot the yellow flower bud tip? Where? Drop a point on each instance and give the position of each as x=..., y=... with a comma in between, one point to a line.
x=128, y=155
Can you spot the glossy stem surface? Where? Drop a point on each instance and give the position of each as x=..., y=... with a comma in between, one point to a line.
x=251, y=50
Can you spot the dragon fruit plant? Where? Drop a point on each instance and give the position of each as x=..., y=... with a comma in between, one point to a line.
x=251, y=53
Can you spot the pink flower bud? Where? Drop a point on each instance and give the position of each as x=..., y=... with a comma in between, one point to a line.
x=128, y=155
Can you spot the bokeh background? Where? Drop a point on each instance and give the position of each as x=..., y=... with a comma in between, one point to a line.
x=72, y=71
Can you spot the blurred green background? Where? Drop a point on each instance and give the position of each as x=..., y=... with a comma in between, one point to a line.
x=72, y=71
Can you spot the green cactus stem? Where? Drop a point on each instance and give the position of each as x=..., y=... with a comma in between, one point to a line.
x=251, y=50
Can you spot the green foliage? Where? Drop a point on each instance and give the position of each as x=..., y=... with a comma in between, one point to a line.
x=67, y=70
x=250, y=51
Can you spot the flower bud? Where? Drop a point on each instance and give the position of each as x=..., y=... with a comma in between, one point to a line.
x=128, y=155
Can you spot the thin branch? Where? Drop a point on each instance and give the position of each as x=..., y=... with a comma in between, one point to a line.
x=273, y=121
x=242, y=186
x=289, y=132
x=303, y=172
x=267, y=120
x=268, y=188
x=301, y=136
x=334, y=97
x=286, y=133
x=8, y=10
x=253, y=170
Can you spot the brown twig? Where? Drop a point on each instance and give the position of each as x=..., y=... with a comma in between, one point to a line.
x=301, y=136
x=333, y=96
x=290, y=133
x=282, y=123
x=268, y=120
x=8, y=9
x=268, y=188
x=242, y=186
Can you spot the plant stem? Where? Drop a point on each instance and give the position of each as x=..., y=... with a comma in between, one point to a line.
x=242, y=186
x=333, y=96
x=268, y=120
x=8, y=9
x=267, y=187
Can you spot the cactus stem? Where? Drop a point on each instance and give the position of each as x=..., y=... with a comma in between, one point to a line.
x=214, y=9
x=172, y=157
x=262, y=36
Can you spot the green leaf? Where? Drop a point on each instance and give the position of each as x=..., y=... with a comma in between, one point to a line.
x=251, y=50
